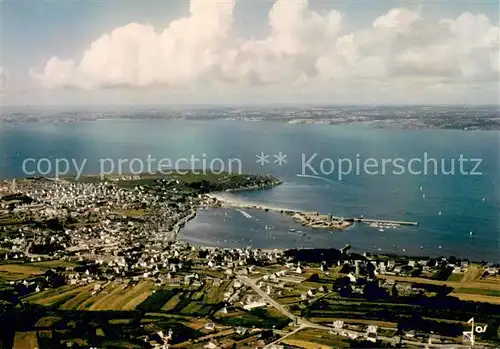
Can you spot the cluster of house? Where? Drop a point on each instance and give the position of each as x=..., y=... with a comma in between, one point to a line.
x=102, y=212
x=373, y=265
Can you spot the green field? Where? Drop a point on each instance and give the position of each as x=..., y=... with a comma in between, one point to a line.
x=12, y=271
x=54, y=264
x=157, y=300
x=312, y=338
x=260, y=318
x=112, y=297
x=485, y=292
x=456, y=277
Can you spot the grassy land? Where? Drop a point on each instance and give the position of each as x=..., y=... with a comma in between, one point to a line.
x=47, y=321
x=172, y=303
x=330, y=320
x=480, y=291
x=19, y=271
x=25, y=340
x=54, y=264
x=134, y=213
x=316, y=339
x=112, y=297
x=456, y=277
x=58, y=296
x=120, y=298
x=13, y=271
x=157, y=300
x=10, y=221
x=477, y=298
x=260, y=318
x=474, y=283
x=201, y=302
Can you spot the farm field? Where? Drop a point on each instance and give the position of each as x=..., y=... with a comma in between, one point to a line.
x=118, y=297
x=328, y=309
x=57, y=296
x=316, y=339
x=475, y=297
x=111, y=297
x=54, y=264
x=19, y=271
x=493, y=293
x=329, y=321
x=488, y=283
x=25, y=340
x=262, y=317
x=200, y=302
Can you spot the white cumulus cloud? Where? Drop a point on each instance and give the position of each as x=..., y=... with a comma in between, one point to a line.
x=401, y=47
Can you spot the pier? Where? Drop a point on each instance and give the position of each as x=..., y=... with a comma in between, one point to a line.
x=306, y=218
x=383, y=221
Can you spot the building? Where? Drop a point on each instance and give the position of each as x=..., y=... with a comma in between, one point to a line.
x=254, y=305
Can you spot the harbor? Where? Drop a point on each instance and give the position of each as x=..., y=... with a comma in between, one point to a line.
x=311, y=219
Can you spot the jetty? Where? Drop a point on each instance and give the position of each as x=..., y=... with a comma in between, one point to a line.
x=311, y=219
x=384, y=221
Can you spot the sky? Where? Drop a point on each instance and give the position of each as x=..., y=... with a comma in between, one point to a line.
x=139, y=52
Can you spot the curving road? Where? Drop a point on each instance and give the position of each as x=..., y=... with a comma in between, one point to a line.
x=303, y=323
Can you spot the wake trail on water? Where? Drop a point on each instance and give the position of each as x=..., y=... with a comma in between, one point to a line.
x=327, y=180
x=246, y=214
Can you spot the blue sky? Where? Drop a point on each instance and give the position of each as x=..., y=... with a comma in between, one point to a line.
x=34, y=31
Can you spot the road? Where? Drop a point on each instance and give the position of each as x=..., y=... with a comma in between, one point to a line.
x=300, y=321
x=285, y=336
x=303, y=323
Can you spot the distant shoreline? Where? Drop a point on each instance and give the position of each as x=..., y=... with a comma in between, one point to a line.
x=416, y=117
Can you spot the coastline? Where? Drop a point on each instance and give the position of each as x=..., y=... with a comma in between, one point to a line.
x=310, y=219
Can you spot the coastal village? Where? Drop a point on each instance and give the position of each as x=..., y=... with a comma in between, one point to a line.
x=98, y=263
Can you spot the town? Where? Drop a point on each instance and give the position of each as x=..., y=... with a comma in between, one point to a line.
x=93, y=263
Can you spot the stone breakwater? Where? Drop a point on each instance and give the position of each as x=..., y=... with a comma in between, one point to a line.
x=310, y=219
